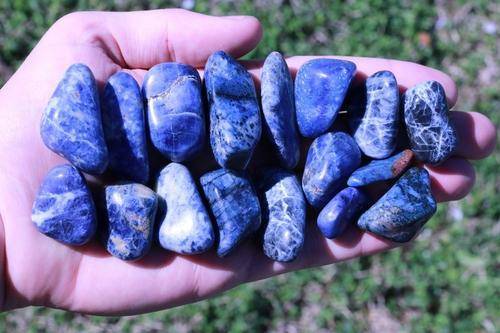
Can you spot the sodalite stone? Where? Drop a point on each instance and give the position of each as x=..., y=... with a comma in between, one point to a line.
x=403, y=210
x=175, y=110
x=331, y=159
x=131, y=210
x=341, y=211
x=432, y=135
x=278, y=107
x=186, y=227
x=63, y=207
x=71, y=123
x=284, y=210
x=234, y=205
x=375, y=128
x=235, y=125
x=124, y=128
x=380, y=170
x=320, y=88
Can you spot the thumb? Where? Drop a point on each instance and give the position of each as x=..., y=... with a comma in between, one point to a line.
x=144, y=39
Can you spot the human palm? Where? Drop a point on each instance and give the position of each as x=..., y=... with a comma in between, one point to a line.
x=40, y=271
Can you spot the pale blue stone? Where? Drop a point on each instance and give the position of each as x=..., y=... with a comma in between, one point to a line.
x=235, y=125
x=283, y=213
x=175, y=110
x=124, y=128
x=71, y=123
x=234, y=205
x=278, y=107
x=130, y=210
x=320, y=88
x=375, y=126
x=185, y=227
x=432, y=135
x=331, y=159
x=63, y=207
x=400, y=213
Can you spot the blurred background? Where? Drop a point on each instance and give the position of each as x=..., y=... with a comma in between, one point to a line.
x=446, y=281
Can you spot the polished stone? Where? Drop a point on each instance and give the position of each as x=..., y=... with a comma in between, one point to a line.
x=432, y=135
x=124, y=128
x=234, y=205
x=375, y=127
x=71, y=123
x=131, y=211
x=283, y=212
x=185, y=227
x=341, y=211
x=400, y=213
x=278, y=107
x=235, y=125
x=320, y=88
x=331, y=159
x=175, y=110
x=380, y=170
x=63, y=207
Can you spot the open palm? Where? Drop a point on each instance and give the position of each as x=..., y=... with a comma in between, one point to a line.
x=40, y=271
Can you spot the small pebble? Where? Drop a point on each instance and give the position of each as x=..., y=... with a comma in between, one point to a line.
x=185, y=227
x=131, y=211
x=283, y=212
x=71, y=123
x=400, y=213
x=234, y=205
x=63, y=207
x=331, y=159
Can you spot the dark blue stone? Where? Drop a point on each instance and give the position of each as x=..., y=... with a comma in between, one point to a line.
x=175, y=110
x=186, y=227
x=284, y=213
x=432, y=135
x=320, y=88
x=341, y=211
x=278, y=107
x=331, y=159
x=380, y=170
x=234, y=205
x=131, y=210
x=403, y=210
x=124, y=128
x=235, y=125
x=63, y=207
x=71, y=123
x=375, y=127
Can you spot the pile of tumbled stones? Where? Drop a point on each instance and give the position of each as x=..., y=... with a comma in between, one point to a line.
x=111, y=132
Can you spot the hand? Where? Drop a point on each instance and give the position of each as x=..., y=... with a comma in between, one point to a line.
x=40, y=271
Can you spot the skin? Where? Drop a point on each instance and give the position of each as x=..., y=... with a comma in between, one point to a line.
x=37, y=270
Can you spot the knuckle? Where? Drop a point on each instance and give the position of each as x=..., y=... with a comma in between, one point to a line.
x=80, y=27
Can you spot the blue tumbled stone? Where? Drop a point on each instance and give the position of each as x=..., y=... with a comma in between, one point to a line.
x=175, y=110
x=331, y=159
x=234, y=205
x=284, y=213
x=320, y=88
x=380, y=170
x=71, y=123
x=375, y=127
x=432, y=135
x=124, y=128
x=235, y=125
x=63, y=207
x=278, y=107
x=342, y=210
x=186, y=227
x=131, y=210
x=400, y=213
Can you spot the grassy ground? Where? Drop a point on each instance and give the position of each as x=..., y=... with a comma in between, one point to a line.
x=446, y=281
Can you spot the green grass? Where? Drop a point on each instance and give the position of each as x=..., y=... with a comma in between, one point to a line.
x=446, y=281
